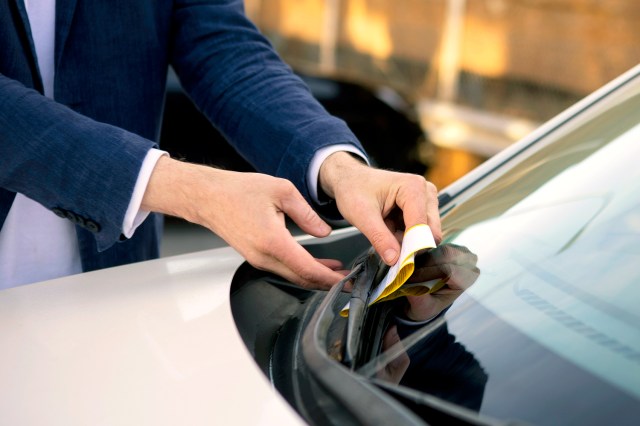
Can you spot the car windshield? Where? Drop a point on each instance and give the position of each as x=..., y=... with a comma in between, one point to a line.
x=549, y=333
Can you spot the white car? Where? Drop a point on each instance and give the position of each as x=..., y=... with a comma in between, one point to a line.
x=152, y=343
x=548, y=333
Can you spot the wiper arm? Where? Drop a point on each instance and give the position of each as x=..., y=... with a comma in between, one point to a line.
x=369, y=275
x=354, y=397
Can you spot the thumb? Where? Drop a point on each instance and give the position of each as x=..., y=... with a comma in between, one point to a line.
x=381, y=238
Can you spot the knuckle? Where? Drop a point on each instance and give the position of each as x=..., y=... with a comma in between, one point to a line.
x=262, y=244
x=415, y=184
x=431, y=188
x=258, y=260
x=307, y=276
x=422, y=189
x=309, y=215
x=414, y=180
x=418, y=179
x=284, y=186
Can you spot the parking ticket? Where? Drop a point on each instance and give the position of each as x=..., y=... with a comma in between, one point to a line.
x=416, y=238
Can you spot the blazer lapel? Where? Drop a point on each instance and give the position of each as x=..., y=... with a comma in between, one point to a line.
x=64, y=17
x=21, y=21
x=24, y=17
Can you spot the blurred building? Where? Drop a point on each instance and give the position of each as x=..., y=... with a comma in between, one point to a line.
x=478, y=74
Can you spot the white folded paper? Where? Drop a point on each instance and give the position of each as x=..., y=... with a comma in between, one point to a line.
x=416, y=238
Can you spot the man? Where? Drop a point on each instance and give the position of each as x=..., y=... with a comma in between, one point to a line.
x=81, y=96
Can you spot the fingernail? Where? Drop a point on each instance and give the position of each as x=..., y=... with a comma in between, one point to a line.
x=324, y=228
x=390, y=255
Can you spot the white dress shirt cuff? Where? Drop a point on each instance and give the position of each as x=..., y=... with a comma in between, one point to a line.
x=317, y=160
x=135, y=215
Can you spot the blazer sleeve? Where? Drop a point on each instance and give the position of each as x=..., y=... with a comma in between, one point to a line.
x=238, y=81
x=66, y=161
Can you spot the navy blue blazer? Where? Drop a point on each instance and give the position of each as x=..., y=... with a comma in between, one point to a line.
x=80, y=155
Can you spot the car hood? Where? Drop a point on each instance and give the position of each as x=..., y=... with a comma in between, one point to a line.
x=150, y=343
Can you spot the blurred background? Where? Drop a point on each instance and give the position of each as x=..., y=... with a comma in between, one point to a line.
x=433, y=87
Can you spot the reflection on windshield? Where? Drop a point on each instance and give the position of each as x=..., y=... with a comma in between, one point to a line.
x=550, y=331
x=433, y=358
x=550, y=274
x=442, y=367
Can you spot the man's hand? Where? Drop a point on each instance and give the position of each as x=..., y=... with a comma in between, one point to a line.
x=248, y=211
x=380, y=203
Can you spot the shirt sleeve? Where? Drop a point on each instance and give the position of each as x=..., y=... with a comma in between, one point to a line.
x=134, y=215
x=322, y=154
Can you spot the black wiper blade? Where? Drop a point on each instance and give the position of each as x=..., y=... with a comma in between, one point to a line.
x=356, y=399
x=364, y=283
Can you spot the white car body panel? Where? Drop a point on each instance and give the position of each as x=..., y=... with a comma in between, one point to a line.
x=150, y=343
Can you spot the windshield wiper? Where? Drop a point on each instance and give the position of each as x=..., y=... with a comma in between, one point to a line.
x=355, y=399
x=356, y=396
x=364, y=282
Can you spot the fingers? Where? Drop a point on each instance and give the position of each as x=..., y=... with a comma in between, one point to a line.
x=287, y=258
x=248, y=211
x=282, y=255
x=382, y=239
x=412, y=197
x=418, y=200
x=296, y=207
x=333, y=264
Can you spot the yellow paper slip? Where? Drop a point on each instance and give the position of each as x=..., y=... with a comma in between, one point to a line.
x=416, y=238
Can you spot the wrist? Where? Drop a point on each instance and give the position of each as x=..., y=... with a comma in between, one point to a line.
x=172, y=189
x=335, y=169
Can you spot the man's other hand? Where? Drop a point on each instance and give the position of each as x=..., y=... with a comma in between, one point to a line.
x=248, y=211
x=380, y=203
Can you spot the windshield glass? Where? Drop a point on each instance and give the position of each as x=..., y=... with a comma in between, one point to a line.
x=549, y=333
